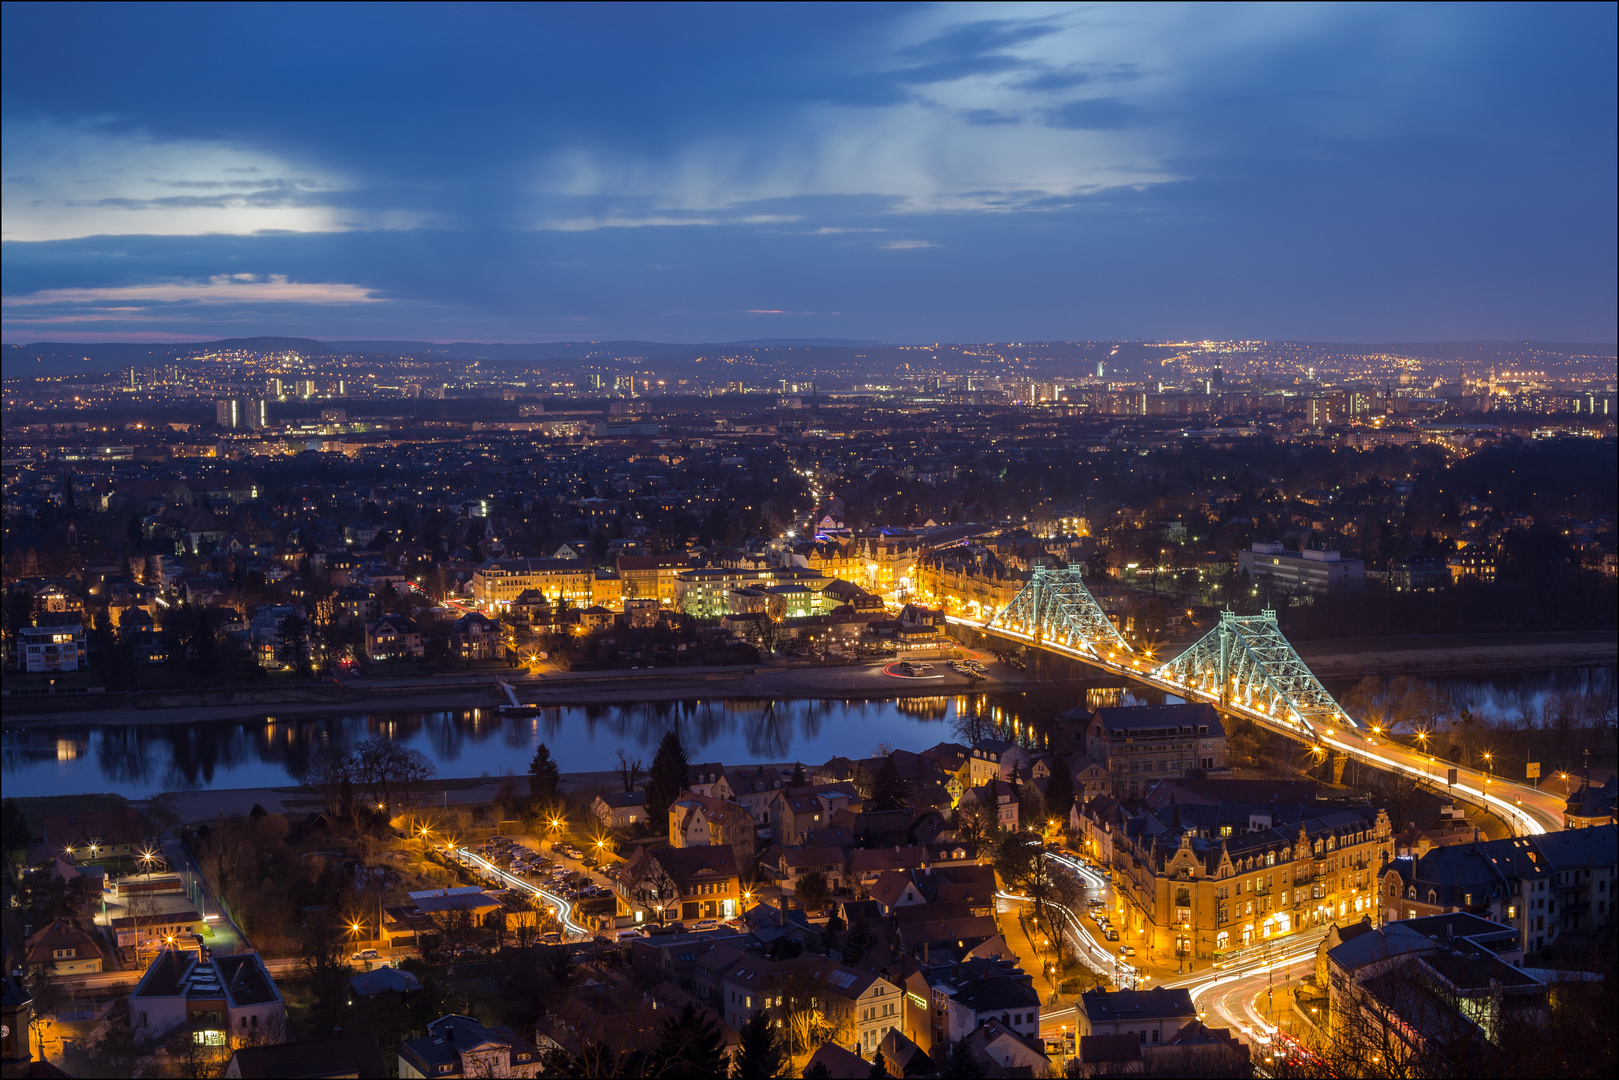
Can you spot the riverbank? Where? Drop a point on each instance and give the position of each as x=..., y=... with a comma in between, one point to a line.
x=1457, y=654
x=856, y=683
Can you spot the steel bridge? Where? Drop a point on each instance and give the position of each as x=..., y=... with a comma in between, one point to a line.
x=1243, y=663
x=1243, y=666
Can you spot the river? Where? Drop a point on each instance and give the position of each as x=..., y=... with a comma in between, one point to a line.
x=139, y=761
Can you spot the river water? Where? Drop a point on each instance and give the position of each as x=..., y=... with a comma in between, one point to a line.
x=138, y=761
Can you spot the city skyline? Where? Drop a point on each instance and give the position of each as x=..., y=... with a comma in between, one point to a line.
x=901, y=174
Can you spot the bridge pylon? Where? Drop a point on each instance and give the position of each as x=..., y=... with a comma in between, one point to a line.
x=1056, y=607
x=1246, y=661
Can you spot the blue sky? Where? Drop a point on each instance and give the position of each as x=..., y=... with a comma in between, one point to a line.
x=899, y=172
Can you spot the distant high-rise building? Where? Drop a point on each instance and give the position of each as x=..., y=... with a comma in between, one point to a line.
x=256, y=411
x=227, y=413
x=305, y=389
x=342, y=386
x=1101, y=369
x=277, y=390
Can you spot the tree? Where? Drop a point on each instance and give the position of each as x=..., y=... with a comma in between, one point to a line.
x=758, y=1053
x=293, y=650
x=15, y=827
x=1060, y=792
x=666, y=777
x=629, y=772
x=879, y=1067
x=162, y=814
x=690, y=1046
x=857, y=941
x=812, y=891
x=889, y=791
x=960, y=1062
x=544, y=782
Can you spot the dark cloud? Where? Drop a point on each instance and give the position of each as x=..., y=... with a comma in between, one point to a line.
x=1397, y=173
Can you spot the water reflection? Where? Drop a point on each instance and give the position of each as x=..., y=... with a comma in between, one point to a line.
x=277, y=751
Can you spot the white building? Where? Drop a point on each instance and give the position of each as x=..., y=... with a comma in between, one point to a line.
x=229, y=1000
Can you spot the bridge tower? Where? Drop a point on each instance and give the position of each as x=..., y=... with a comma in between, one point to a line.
x=1056, y=607
x=1246, y=661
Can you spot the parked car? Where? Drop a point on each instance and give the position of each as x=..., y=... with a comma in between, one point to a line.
x=1127, y=950
x=704, y=924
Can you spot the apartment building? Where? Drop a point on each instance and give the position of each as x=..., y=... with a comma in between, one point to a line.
x=1204, y=881
x=1301, y=571
x=1542, y=886
x=1141, y=745
x=498, y=582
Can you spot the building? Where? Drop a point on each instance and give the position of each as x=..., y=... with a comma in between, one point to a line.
x=459, y=1046
x=680, y=883
x=1589, y=806
x=1542, y=885
x=652, y=576
x=1152, y=1017
x=53, y=648
x=620, y=809
x=701, y=820
x=1141, y=745
x=498, y=582
x=393, y=637
x=102, y=836
x=62, y=949
x=793, y=812
x=227, y=1001
x=475, y=636
x=1301, y=571
x=1407, y=989
x=328, y=1059
x=1201, y=881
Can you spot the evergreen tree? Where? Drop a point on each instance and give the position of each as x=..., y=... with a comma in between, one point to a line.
x=690, y=1046
x=857, y=941
x=798, y=778
x=1059, y=792
x=879, y=1067
x=759, y=1055
x=889, y=791
x=666, y=777
x=959, y=1062
x=544, y=783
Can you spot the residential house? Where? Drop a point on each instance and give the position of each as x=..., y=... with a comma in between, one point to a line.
x=701, y=820
x=60, y=948
x=1542, y=885
x=620, y=809
x=393, y=637
x=227, y=1000
x=459, y=1046
x=1152, y=1016
x=795, y=811
x=684, y=883
x=475, y=636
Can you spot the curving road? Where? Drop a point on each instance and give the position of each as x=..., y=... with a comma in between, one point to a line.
x=561, y=905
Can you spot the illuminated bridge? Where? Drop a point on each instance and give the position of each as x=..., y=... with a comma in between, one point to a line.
x=1244, y=666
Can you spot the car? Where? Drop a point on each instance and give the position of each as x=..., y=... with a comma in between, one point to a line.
x=1127, y=950
x=1111, y=934
x=630, y=933
x=704, y=924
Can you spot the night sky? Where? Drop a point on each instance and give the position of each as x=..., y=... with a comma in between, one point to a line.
x=902, y=173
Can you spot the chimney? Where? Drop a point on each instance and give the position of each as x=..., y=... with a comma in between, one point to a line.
x=924, y=952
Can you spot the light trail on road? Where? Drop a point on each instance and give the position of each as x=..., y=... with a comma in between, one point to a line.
x=563, y=907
